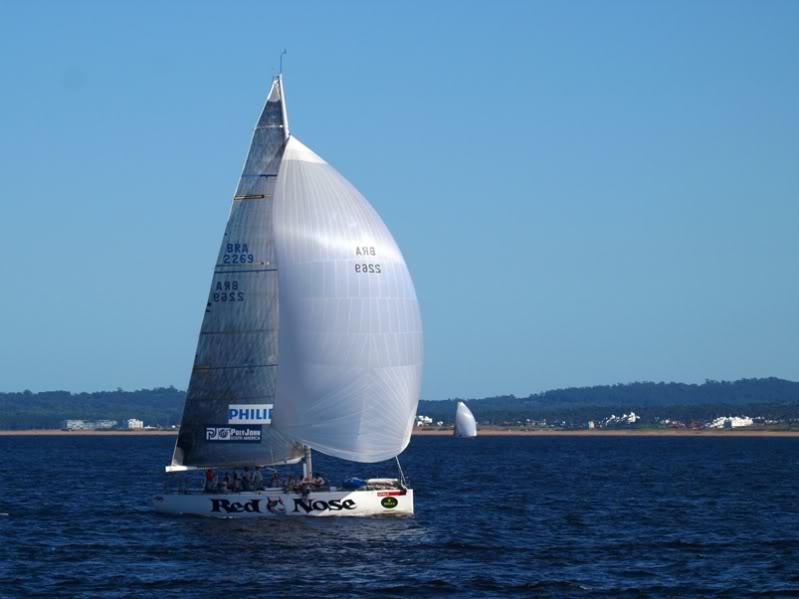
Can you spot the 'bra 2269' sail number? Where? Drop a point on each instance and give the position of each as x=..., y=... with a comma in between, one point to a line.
x=227, y=291
x=237, y=253
x=366, y=250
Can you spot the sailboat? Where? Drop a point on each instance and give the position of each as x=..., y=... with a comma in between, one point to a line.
x=311, y=341
x=465, y=425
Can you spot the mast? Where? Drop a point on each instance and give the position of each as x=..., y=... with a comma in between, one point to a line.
x=286, y=132
x=307, y=465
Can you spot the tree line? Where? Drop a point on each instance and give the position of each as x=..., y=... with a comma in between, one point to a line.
x=161, y=406
x=771, y=398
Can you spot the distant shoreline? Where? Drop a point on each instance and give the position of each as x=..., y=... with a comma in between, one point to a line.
x=448, y=433
x=620, y=433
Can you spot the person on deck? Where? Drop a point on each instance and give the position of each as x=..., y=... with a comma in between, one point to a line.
x=257, y=479
x=317, y=482
x=275, y=482
x=246, y=480
x=236, y=482
x=210, y=481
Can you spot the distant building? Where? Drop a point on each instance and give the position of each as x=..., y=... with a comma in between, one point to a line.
x=731, y=422
x=134, y=423
x=623, y=420
x=87, y=425
x=77, y=425
x=591, y=425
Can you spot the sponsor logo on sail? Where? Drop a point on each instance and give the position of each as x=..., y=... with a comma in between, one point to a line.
x=233, y=434
x=389, y=502
x=260, y=413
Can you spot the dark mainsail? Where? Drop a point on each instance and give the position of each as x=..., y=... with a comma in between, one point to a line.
x=231, y=396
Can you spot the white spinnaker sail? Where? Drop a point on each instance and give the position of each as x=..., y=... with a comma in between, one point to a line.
x=350, y=331
x=465, y=425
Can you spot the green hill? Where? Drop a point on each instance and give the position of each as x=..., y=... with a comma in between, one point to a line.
x=26, y=410
x=770, y=397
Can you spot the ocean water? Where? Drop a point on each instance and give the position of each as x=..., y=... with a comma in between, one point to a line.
x=495, y=516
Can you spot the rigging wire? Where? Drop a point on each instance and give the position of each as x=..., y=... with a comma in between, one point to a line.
x=402, y=474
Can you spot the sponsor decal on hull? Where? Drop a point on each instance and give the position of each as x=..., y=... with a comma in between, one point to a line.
x=235, y=507
x=319, y=505
x=276, y=506
x=389, y=502
x=233, y=433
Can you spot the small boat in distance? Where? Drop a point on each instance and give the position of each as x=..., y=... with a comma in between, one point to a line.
x=465, y=425
x=311, y=340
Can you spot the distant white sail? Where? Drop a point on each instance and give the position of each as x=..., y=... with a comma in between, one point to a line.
x=465, y=425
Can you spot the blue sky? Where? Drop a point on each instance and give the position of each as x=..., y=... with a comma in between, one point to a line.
x=586, y=193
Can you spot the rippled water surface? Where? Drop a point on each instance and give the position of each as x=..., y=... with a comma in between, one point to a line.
x=523, y=516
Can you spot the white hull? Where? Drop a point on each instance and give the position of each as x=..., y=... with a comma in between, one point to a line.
x=278, y=502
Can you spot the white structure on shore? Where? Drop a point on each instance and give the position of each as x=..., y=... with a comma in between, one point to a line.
x=88, y=425
x=134, y=423
x=730, y=422
x=614, y=420
x=76, y=425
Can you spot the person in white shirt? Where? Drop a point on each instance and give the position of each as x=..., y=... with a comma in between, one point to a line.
x=257, y=479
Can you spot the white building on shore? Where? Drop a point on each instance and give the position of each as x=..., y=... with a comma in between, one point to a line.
x=87, y=425
x=134, y=423
x=423, y=420
x=77, y=425
x=731, y=422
